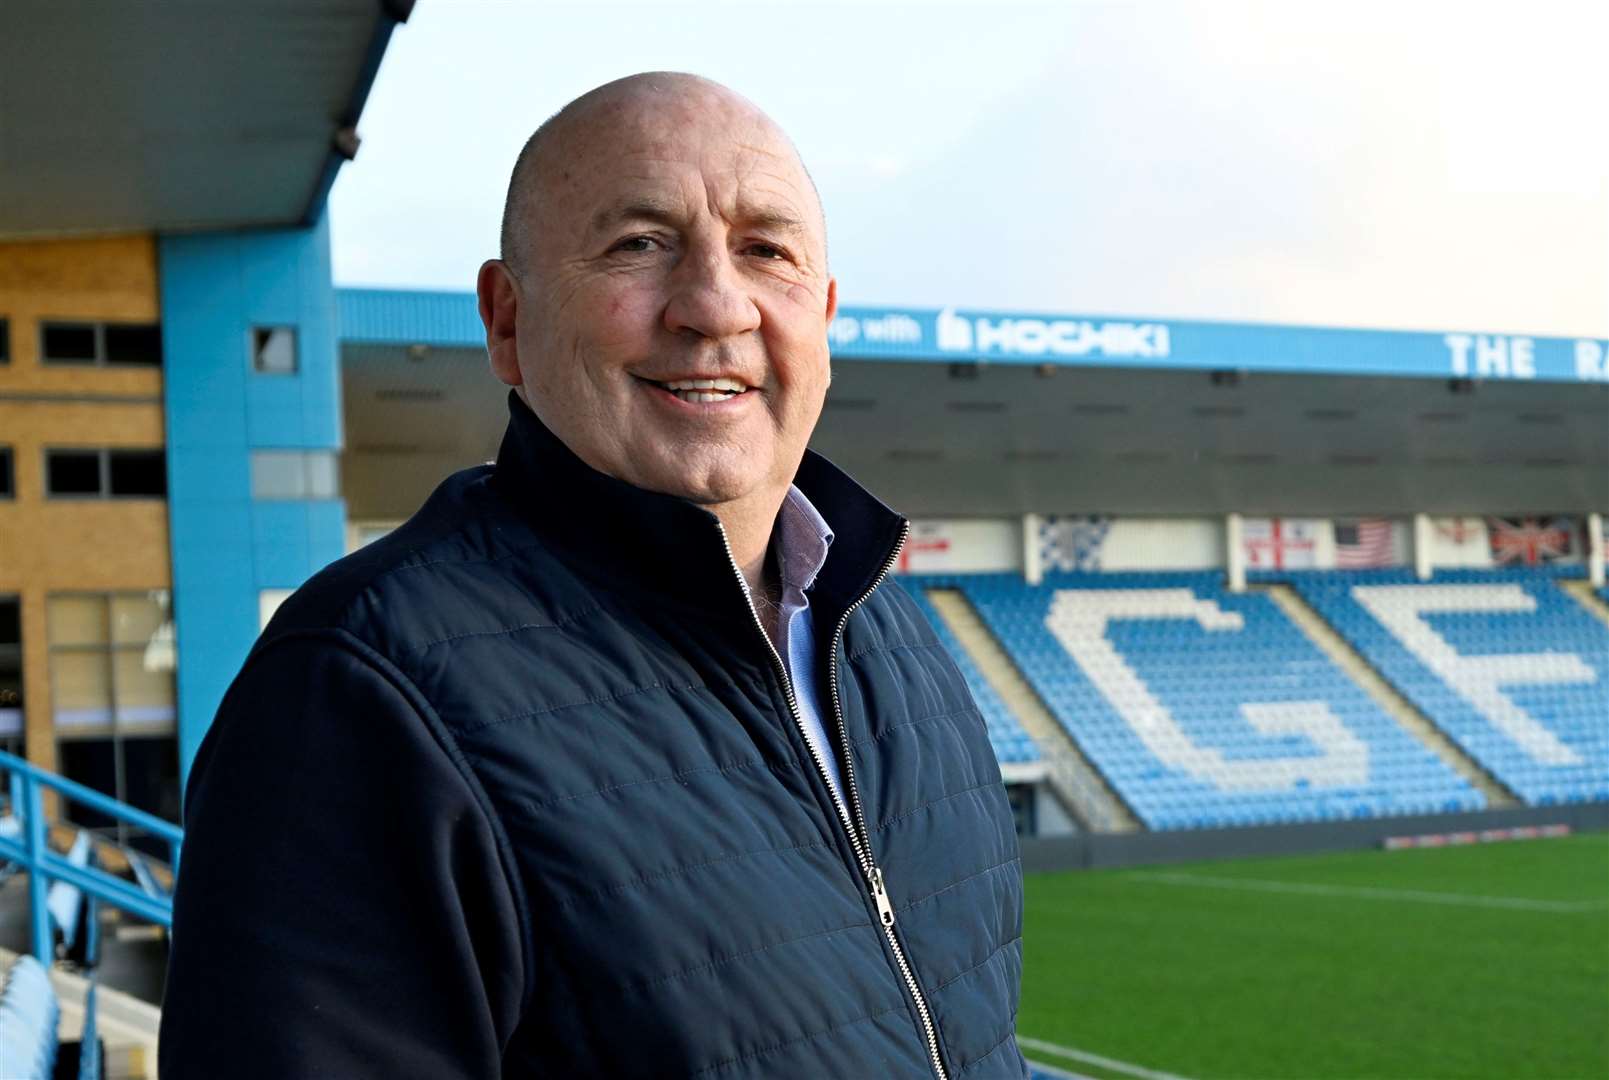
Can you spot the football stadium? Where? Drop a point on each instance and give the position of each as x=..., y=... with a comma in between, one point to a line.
x=1292, y=642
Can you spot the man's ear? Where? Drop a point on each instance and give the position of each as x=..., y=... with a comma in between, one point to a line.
x=499, y=307
x=832, y=298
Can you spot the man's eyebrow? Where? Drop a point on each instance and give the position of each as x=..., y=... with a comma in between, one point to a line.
x=766, y=217
x=635, y=210
x=664, y=213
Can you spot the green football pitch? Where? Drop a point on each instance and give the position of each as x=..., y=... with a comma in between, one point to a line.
x=1488, y=960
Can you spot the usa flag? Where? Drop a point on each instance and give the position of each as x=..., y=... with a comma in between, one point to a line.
x=1529, y=541
x=1365, y=542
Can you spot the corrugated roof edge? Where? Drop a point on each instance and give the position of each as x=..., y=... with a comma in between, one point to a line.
x=409, y=317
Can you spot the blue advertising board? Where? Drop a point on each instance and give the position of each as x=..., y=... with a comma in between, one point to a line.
x=383, y=316
x=1099, y=341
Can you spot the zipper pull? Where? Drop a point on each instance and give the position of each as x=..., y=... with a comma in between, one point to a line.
x=885, y=908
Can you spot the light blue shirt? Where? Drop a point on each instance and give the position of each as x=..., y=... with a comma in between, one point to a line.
x=802, y=539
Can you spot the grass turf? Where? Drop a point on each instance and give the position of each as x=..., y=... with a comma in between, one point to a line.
x=1310, y=967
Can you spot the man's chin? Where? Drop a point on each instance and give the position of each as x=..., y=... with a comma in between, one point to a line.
x=708, y=487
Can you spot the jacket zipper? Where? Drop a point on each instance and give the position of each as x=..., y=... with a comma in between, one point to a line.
x=851, y=817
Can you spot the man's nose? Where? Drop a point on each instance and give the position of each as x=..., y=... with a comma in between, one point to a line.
x=708, y=296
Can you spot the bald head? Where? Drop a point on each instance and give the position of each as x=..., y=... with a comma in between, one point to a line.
x=637, y=106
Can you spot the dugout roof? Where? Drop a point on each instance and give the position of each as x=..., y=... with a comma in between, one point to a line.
x=966, y=434
x=168, y=115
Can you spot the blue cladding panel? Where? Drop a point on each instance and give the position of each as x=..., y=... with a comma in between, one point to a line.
x=199, y=474
x=280, y=551
x=326, y=532
x=226, y=547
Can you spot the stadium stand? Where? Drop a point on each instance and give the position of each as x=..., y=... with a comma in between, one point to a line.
x=1206, y=709
x=1012, y=745
x=1513, y=669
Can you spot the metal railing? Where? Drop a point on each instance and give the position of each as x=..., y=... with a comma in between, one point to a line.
x=32, y=851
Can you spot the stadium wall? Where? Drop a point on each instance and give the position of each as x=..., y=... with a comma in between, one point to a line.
x=1092, y=851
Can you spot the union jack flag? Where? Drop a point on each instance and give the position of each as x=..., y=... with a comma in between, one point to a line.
x=1529, y=541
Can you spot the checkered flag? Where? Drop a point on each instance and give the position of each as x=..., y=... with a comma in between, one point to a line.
x=1074, y=542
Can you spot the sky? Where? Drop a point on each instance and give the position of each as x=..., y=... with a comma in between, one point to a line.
x=1403, y=165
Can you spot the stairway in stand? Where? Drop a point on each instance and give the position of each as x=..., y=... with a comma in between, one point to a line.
x=1075, y=781
x=1385, y=695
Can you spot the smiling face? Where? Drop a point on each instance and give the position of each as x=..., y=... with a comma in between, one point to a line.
x=666, y=312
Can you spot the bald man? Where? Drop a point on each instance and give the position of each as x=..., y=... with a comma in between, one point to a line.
x=622, y=757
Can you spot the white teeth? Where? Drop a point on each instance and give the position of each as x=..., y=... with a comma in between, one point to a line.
x=729, y=385
x=702, y=396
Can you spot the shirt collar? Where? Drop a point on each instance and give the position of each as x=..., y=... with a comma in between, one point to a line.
x=803, y=537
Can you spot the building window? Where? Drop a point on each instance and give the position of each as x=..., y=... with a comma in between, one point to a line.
x=294, y=474
x=8, y=475
x=68, y=343
x=11, y=675
x=5, y=341
x=108, y=344
x=268, y=601
x=141, y=770
x=273, y=350
x=102, y=474
x=112, y=697
x=139, y=344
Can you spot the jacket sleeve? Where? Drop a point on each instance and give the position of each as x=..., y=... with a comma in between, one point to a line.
x=341, y=910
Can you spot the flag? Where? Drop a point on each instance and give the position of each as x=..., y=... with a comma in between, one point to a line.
x=1073, y=543
x=1529, y=541
x=1280, y=543
x=1460, y=541
x=926, y=550
x=1365, y=542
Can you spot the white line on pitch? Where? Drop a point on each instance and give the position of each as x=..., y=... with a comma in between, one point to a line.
x=1515, y=903
x=1095, y=1059
x=1041, y=1069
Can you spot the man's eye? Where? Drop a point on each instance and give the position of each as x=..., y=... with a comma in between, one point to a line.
x=635, y=244
x=767, y=251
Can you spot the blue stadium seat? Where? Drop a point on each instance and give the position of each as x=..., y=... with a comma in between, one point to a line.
x=1507, y=664
x=28, y=1012
x=1205, y=709
x=1012, y=745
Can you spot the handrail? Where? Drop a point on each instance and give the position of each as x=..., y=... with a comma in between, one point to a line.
x=43, y=865
x=95, y=800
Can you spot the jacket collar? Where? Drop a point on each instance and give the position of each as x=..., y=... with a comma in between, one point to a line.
x=664, y=545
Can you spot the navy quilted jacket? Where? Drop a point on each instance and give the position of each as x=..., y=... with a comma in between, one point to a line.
x=518, y=791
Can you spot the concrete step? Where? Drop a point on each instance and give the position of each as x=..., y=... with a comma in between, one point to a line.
x=1399, y=708
x=1078, y=786
x=1585, y=595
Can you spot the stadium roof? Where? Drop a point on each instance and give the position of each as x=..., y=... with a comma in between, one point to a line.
x=169, y=115
x=1233, y=417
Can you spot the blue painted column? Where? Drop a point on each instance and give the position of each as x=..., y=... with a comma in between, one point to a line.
x=227, y=545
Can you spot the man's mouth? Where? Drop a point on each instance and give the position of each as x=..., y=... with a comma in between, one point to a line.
x=704, y=391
